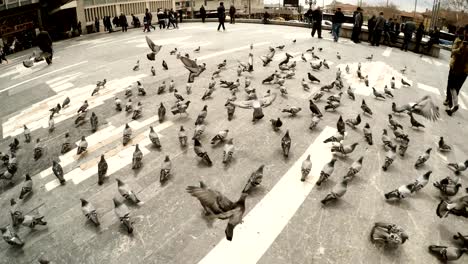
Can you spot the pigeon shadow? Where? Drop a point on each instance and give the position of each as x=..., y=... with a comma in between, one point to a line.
x=27, y=198
x=91, y=226
x=257, y=191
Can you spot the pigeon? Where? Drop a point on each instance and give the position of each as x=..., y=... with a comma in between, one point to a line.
x=122, y=212
x=178, y=96
x=66, y=145
x=212, y=201
x=350, y=93
x=230, y=108
x=316, y=67
x=338, y=137
x=137, y=66
x=118, y=104
x=388, y=234
x=188, y=88
x=38, y=149
x=388, y=92
x=164, y=64
x=310, y=50
x=456, y=207
x=338, y=56
x=228, y=151
x=197, y=49
x=283, y=90
x=353, y=122
x=423, y=158
x=201, y=152
x=366, y=108
x=314, y=109
x=126, y=192
x=266, y=59
x=55, y=110
x=338, y=83
x=82, y=146
x=325, y=64
x=154, y=49
x=162, y=88
x=353, y=170
x=15, y=213
x=66, y=102
x=305, y=168
x=280, y=47
x=292, y=110
x=171, y=86
x=392, y=83
x=154, y=138
x=340, y=125
x=316, y=97
x=344, y=149
x=222, y=64
x=172, y=52
x=443, y=146
x=369, y=58
x=389, y=157
x=257, y=105
x=458, y=167
x=393, y=124
x=128, y=91
x=448, y=186
x=294, y=41
x=312, y=78
x=180, y=108
x=220, y=137
x=194, y=69
x=400, y=193
x=129, y=106
x=326, y=172
x=137, y=158
x=286, y=144
x=161, y=113
x=462, y=238
x=58, y=172
x=137, y=111
x=414, y=122
x=127, y=134
x=141, y=89
x=102, y=170
x=89, y=211
x=347, y=69
x=335, y=97
x=405, y=83
x=400, y=135
x=27, y=187
x=337, y=192
x=315, y=56
x=420, y=182
x=27, y=134
x=165, y=172
x=81, y=118
x=286, y=60
x=182, y=137
x=83, y=107
x=269, y=79
x=276, y=123
x=11, y=237
x=314, y=122
x=447, y=253
x=199, y=130
x=403, y=147
x=216, y=73
x=255, y=179
x=153, y=71
x=377, y=94
x=202, y=115
x=94, y=122
x=31, y=221
x=367, y=134
x=305, y=85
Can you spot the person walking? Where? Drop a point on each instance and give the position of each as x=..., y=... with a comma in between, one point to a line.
x=409, y=29
x=96, y=24
x=458, y=71
x=358, y=20
x=160, y=16
x=166, y=18
x=378, y=28
x=308, y=16
x=232, y=14
x=370, y=28
x=149, y=19
x=337, y=21
x=123, y=22
x=221, y=16
x=386, y=33
x=317, y=22
x=202, y=13
x=419, y=35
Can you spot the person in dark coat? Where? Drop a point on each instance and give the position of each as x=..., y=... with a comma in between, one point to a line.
x=123, y=22
x=308, y=16
x=202, y=13
x=266, y=17
x=44, y=42
x=149, y=18
x=115, y=21
x=434, y=39
x=221, y=16
x=387, y=36
x=370, y=28
x=358, y=20
x=232, y=14
x=135, y=21
x=161, y=22
x=378, y=28
x=409, y=29
x=96, y=24
x=317, y=24
x=419, y=36
x=399, y=28
x=337, y=21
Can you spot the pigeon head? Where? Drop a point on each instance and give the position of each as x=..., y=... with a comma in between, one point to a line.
x=83, y=138
x=102, y=158
x=28, y=178
x=12, y=202
x=428, y=150
x=197, y=143
x=367, y=125
x=426, y=176
x=466, y=163
x=166, y=158
x=25, y=127
x=182, y=128
x=38, y=140
x=353, y=146
x=83, y=202
x=119, y=182
x=360, y=159
x=151, y=129
x=332, y=162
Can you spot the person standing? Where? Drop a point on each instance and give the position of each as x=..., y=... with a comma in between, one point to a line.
x=458, y=71
x=317, y=22
x=221, y=16
x=96, y=24
x=337, y=21
x=166, y=18
x=419, y=35
x=378, y=28
x=266, y=17
x=358, y=20
x=202, y=13
x=370, y=28
x=308, y=16
x=232, y=14
x=80, y=30
x=160, y=16
x=410, y=27
x=123, y=22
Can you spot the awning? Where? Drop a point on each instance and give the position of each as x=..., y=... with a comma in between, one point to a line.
x=68, y=5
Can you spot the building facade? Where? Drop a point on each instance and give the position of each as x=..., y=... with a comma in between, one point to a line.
x=242, y=6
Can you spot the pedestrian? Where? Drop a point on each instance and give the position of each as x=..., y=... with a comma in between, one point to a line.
x=44, y=42
x=166, y=18
x=317, y=24
x=160, y=16
x=308, y=16
x=434, y=39
x=232, y=14
x=409, y=29
x=96, y=24
x=123, y=22
x=176, y=18
x=79, y=28
x=458, y=71
x=337, y=21
x=419, y=35
x=370, y=28
x=149, y=18
x=171, y=19
x=181, y=14
x=392, y=32
x=358, y=20
x=202, y=14
x=387, y=36
x=2, y=51
x=266, y=16
x=221, y=16
x=115, y=21
x=398, y=28
x=378, y=28
x=135, y=21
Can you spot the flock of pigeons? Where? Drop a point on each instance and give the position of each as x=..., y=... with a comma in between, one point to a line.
x=214, y=203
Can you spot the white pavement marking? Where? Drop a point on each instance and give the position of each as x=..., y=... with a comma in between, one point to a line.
x=428, y=88
x=216, y=54
x=387, y=52
x=142, y=42
x=113, y=41
x=268, y=218
x=43, y=75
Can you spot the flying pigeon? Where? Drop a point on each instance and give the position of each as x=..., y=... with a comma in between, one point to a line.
x=154, y=49
x=257, y=105
x=194, y=69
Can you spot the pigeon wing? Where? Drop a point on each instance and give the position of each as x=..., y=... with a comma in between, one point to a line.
x=243, y=104
x=426, y=107
x=189, y=64
x=214, y=200
x=155, y=48
x=268, y=100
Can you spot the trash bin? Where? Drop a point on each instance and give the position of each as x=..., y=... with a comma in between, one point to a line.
x=90, y=29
